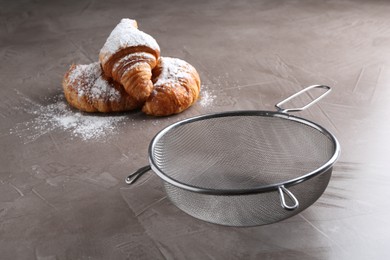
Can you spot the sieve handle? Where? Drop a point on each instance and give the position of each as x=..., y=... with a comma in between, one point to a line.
x=283, y=190
x=134, y=176
x=286, y=110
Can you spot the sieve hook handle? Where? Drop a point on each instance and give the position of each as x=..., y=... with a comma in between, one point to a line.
x=283, y=190
x=134, y=176
x=286, y=110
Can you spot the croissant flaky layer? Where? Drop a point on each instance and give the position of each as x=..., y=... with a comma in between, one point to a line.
x=128, y=56
x=176, y=87
x=86, y=89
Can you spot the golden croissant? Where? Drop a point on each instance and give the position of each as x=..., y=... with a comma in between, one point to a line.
x=87, y=89
x=176, y=87
x=128, y=57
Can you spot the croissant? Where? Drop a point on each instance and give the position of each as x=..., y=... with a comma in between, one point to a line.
x=87, y=89
x=176, y=87
x=128, y=56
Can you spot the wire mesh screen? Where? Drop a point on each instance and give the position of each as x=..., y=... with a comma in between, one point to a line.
x=241, y=152
x=246, y=210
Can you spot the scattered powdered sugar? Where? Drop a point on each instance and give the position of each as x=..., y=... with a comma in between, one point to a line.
x=59, y=116
x=172, y=70
x=88, y=73
x=206, y=98
x=126, y=34
x=87, y=81
x=101, y=89
x=87, y=127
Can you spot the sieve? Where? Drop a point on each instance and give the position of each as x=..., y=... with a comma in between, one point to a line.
x=244, y=168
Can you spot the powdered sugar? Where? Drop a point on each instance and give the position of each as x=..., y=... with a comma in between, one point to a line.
x=87, y=81
x=124, y=35
x=101, y=89
x=172, y=70
x=88, y=73
x=87, y=127
x=206, y=98
x=58, y=116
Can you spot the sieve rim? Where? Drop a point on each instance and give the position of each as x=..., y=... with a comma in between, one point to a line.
x=253, y=190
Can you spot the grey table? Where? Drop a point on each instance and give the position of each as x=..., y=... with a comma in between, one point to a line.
x=62, y=190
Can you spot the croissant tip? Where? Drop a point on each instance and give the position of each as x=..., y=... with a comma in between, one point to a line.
x=131, y=22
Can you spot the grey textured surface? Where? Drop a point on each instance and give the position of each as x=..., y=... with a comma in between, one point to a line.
x=62, y=194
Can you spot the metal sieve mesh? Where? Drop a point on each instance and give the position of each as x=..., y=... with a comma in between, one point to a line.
x=227, y=168
x=246, y=210
x=241, y=151
x=244, y=168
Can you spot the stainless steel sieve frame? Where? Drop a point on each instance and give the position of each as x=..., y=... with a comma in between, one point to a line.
x=281, y=187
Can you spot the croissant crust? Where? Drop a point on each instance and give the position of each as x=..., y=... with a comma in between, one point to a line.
x=176, y=87
x=128, y=57
x=131, y=74
x=87, y=89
